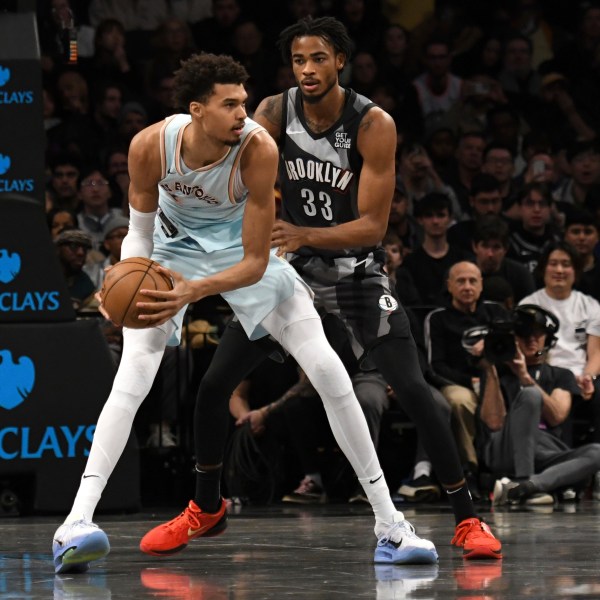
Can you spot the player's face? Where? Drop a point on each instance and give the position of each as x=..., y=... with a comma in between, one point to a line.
x=316, y=66
x=223, y=115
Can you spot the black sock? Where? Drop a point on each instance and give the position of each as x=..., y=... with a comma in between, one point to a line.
x=208, y=489
x=462, y=503
x=521, y=491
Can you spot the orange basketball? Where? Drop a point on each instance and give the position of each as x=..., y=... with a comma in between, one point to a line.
x=120, y=291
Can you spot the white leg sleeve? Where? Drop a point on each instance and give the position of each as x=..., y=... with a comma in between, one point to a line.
x=142, y=353
x=305, y=340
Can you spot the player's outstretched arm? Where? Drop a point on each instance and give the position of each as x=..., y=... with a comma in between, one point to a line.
x=377, y=146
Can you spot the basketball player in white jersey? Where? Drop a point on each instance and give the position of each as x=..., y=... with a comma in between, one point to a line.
x=201, y=201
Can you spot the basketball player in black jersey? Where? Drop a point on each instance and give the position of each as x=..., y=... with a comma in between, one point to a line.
x=337, y=181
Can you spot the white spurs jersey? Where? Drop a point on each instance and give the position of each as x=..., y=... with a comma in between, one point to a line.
x=206, y=204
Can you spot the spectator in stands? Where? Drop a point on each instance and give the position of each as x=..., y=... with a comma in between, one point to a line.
x=118, y=176
x=96, y=212
x=581, y=232
x=64, y=182
x=364, y=22
x=578, y=339
x=522, y=411
x=490, y=245
x=111, y=61
x=173, y=42
x=107, y=104
x=469, y=158
x=484, y=199
x=72, y=246
x=214, y=34
x=479, y=95
x=364, y=74
x=391, y=56
x=417, y=175
x=504, y=128
x=429, y=264
x=132, y=120
x=441, y=148
x=141, y=15
x=520, y=81
x=541, y=169
x=250, y=50
x=557, y=114
x=115, y=230
x=403, y=224
x=483, y=58
x=437, y=87
x=59, y=219
x=160, y=97
x=584, y=162
x=535, y=232
x=499, y=161
x=455, y=361
x=401, y=279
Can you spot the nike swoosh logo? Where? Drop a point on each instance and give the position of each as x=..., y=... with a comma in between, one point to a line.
x=86, y=476
x=376, y=480
x=192, y=532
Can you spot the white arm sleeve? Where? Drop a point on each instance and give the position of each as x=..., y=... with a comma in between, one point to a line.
x=138, y=241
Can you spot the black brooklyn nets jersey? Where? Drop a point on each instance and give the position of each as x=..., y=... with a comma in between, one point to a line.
x=319, y=172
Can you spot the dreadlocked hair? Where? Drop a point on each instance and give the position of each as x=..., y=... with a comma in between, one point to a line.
x=329, y=29
x=195, y=80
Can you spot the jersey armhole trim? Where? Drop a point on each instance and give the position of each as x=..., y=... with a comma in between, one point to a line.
x=162, y=147
x=236, y=162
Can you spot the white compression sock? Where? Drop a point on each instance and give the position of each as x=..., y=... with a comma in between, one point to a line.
x=306, y=342
x=142, y=354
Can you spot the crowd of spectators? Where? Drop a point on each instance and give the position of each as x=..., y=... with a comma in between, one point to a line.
x=497, y=109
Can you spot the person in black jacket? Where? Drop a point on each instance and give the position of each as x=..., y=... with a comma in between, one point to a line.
x=455, y=361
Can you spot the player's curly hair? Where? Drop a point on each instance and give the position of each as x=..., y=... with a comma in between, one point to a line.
x=331, y=30
x=195, y=80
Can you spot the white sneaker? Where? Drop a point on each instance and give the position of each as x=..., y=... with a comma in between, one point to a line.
x=501, y=489
x=398, y=544
x=77, y=544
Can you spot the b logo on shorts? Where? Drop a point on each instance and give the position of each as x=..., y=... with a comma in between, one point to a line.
x=388, y=303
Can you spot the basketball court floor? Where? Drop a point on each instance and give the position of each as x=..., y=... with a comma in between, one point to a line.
x=317, y=553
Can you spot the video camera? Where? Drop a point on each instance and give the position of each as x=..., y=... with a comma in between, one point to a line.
x=499, y=334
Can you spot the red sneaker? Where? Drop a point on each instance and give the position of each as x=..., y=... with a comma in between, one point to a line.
x=174, y=536
x=476, y=539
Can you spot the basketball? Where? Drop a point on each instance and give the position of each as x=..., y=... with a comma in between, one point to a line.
x=120, y=291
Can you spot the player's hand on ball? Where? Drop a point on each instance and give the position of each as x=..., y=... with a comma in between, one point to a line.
x=169, y=303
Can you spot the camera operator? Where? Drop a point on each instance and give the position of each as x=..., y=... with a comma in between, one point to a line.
x=453, y=361
x=522, y=410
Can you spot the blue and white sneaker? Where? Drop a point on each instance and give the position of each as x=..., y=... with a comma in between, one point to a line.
x=77, y=544
x=398, y=544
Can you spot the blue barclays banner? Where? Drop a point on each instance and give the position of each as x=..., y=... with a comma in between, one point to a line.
x=22, y=143
x=54, y=380
x=32, y=286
